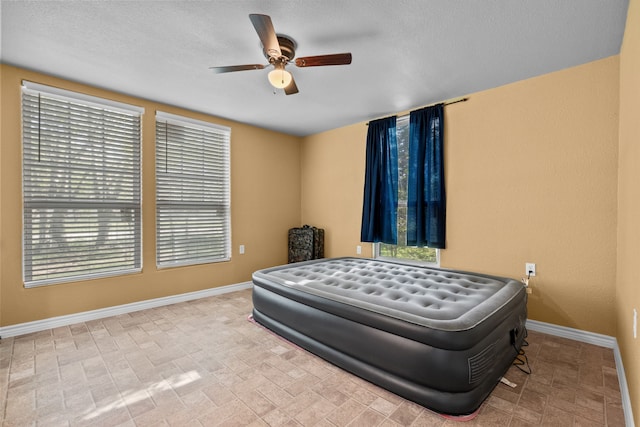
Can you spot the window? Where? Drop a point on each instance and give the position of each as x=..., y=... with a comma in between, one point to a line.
x=81, y=186
x=401, y=250
x=192, y=191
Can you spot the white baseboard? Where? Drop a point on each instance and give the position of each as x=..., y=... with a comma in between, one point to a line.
x=595, y=339
x=56, y=322
x=624, y=389
x=572, y=334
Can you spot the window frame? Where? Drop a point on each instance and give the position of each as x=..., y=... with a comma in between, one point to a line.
x=71, y=207
x=198, y=125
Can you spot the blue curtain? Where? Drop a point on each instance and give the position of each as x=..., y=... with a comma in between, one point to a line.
x=426, y=204
x=380, y=205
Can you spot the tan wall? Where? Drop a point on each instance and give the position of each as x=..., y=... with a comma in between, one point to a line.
x=531, y=172
x=628, y=279
x=1, y=237
x=532, y=178
x=265, y=198
x=332, y=187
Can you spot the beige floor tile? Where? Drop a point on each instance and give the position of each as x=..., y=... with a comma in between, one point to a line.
x=201, y=363
x=428, y=419
x=367, y=418
x=406, y=413
x=346, y=412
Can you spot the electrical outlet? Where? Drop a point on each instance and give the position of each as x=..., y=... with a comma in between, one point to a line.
x=359, y=250
x=530, y=269
x=241, y=249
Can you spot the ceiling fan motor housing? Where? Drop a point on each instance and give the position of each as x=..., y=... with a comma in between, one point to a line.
x=287, y=47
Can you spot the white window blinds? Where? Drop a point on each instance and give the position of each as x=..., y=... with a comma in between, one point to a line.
x=192, y=191
x=81, y=186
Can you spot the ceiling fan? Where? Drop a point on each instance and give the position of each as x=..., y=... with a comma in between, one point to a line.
x=280, y=51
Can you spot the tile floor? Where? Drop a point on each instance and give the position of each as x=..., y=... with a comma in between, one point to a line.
x=201, y=363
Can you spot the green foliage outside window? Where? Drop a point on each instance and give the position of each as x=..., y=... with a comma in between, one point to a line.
x=408, y=252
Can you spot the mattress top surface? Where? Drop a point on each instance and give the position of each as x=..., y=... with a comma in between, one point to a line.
x=432, y=297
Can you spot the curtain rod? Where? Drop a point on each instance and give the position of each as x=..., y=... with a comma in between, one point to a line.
x=445, y=103
x=456, y=101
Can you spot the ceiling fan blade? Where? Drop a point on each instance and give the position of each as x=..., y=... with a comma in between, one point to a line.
x=231, y=68
x=264, y=28
x=292, y=88
x=320, y=60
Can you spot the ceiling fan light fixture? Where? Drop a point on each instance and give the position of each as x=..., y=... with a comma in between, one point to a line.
x=279, y=78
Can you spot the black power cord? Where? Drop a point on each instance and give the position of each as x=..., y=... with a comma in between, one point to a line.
x=521, y=361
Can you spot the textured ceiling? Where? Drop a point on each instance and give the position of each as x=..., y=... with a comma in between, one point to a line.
x=406, y=53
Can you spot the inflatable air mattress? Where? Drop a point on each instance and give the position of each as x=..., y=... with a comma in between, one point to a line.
x=441, y=338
